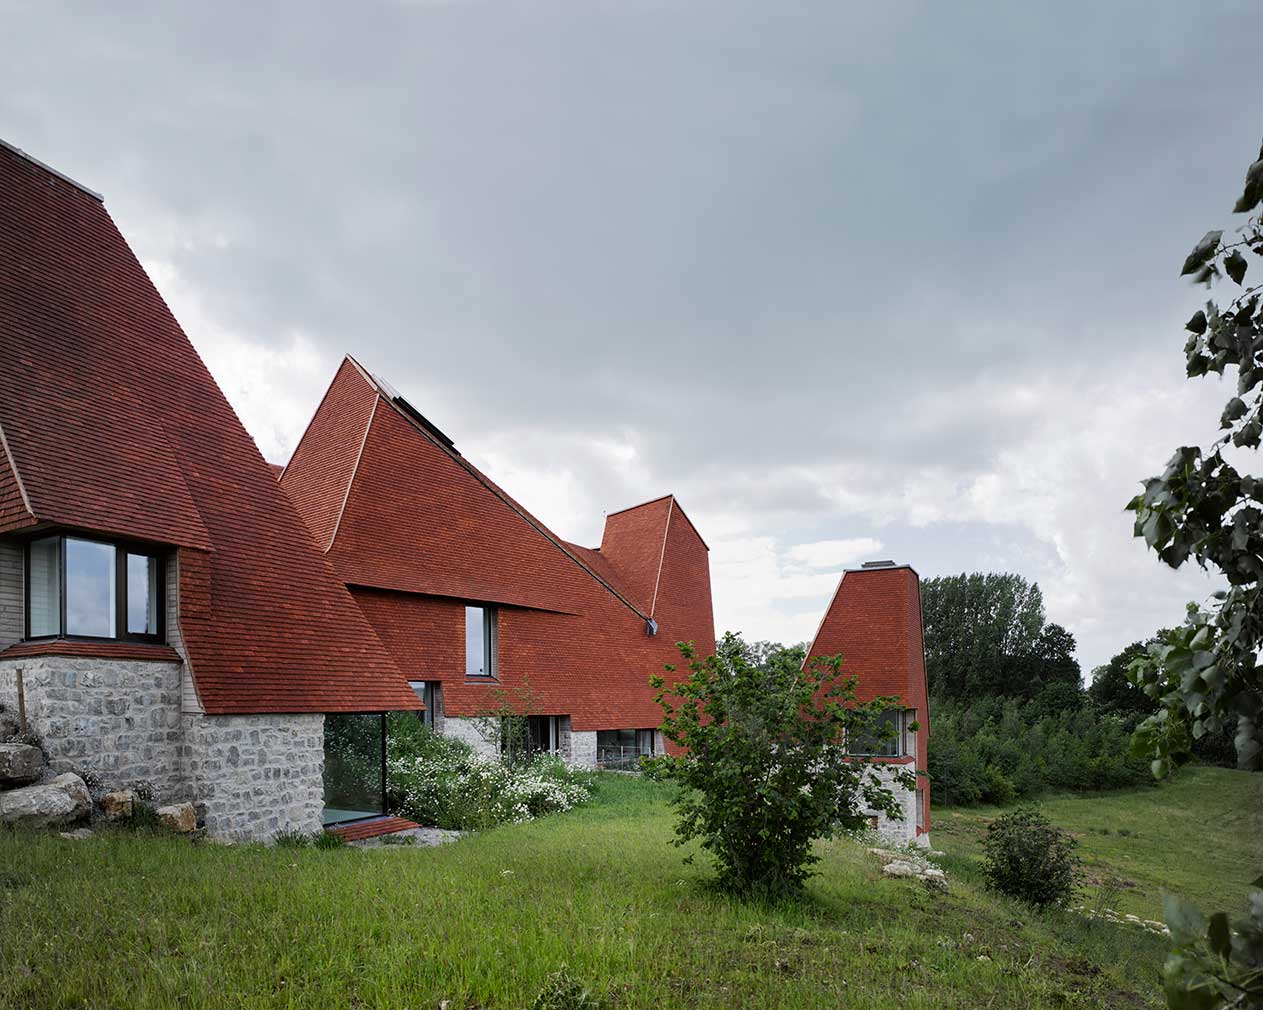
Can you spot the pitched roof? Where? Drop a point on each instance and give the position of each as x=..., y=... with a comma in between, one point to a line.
x=635, y=543
x=874, y=622
x=112, y=423
x=392, y=501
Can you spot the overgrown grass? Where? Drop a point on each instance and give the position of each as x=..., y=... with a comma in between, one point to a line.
x=143, y=921
x=1199, y=835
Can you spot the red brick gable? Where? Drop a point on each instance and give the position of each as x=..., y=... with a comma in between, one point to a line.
x=115, y=425
x=423, y=532
x=874, y=622
x=633, y=542
x=321, y=467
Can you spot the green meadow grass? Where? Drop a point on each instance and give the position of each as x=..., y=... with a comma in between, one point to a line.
x=140, y=921
x=1199, y=835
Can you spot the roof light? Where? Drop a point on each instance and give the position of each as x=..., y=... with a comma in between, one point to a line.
x=878, y=564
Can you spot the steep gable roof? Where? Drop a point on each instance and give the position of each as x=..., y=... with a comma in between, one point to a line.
x=412, y=514
x=635, y=541
x=112, y=423
x=874, y=622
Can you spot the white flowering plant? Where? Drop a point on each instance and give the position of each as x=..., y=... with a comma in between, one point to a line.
x=441, y=782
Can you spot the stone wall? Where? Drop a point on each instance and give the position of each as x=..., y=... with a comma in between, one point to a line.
x=582, y=753
x=119, y=718
x=254, y=775
x=904, y=830
x=468, y=730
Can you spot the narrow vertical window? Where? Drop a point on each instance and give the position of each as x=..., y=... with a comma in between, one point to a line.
x=142, y=595
x=480, y=642
x=43, y=588
x=90, y=596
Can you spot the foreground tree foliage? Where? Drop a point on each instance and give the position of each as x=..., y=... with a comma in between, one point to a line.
x=766, y=771
x=1205, y=675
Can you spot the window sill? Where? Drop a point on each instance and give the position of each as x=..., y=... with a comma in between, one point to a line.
x=102, y=649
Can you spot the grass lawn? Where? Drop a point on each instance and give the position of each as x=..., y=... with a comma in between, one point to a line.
x=136, y=921
x=1200, y=836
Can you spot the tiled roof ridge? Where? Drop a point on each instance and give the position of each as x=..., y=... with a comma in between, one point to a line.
x=32, y=160
x=498, y=491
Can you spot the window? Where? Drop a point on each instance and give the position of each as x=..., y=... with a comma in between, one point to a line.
x=623, y=748
x=480, y=642
x=886, y=737
x=431, y=694
x=92, y=589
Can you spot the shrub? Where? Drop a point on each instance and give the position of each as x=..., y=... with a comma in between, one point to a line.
x=1029, y=858
x=442, y=782
x=765, y=771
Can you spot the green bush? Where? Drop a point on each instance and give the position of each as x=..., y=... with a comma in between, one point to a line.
x=1029, y=858
x=441, y=782
x=765, y=773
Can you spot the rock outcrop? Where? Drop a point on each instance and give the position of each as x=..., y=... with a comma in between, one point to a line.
x=20, y=764
x=64, y=800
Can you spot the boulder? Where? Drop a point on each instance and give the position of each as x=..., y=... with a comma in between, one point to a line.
x=20, y=764
x=901, y=868
x=118, y=804
x=62, y=801
x=179, y=817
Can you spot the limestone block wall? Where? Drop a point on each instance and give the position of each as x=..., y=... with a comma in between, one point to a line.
x=254, y=775
x=904, y=830
x=468, y=730
x=582, y=753
x=118, y=718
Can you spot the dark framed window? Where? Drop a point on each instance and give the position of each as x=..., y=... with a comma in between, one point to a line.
x=82, y=587
x=481, y=642
x=431, y=694
x=885, y=737
x=623, y=748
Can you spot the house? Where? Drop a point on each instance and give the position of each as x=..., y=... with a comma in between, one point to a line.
x=874, y=622
x=161, y=602
x=477, y=601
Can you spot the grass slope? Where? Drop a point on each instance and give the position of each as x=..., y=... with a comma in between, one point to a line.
x=137, y=921
x=1199, y=835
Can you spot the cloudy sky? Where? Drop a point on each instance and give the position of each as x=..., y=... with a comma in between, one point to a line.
x=853, y=280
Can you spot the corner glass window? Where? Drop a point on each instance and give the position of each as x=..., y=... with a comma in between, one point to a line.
x=142, y=594
x=480, y=641
x=43, y=588
x=884, y=738
x=92, y=589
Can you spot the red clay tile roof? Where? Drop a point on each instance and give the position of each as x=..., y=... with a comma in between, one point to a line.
x=634, y=541
x=874, y=622
x=97, y=650
x=397, y=505
x=419, y=531
x=113, y=424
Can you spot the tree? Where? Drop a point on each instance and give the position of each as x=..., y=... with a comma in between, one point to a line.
x=1051, y=669
x=976, y=626
x=1112, y=690
x=765, y=770
x=1205, y=675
